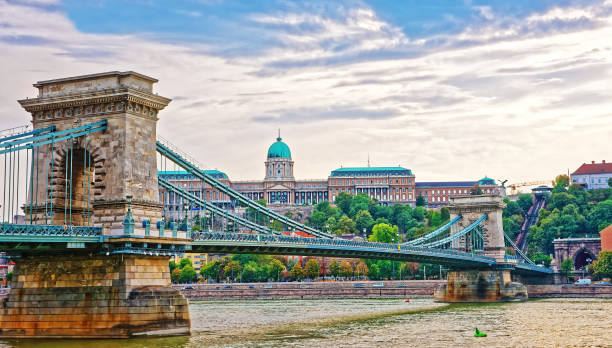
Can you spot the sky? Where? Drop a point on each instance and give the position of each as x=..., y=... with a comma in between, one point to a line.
x=453, y=90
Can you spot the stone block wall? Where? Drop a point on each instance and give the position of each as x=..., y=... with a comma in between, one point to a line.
x=100, y=296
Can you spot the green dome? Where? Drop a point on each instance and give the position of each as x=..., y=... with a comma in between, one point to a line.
x=279, y=149
x=486, y=181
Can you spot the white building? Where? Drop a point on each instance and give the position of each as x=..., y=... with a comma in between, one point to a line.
x=593, y=175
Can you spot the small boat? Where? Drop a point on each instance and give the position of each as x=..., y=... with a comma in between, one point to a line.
x=407, y=300
x=479, y=334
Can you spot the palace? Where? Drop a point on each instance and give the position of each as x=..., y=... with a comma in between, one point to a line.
x=388, y=185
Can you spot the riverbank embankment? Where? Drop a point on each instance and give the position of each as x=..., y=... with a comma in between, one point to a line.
x=363, y=290
x=311, y=290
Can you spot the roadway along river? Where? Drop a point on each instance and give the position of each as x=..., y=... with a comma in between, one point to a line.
x=381, y=323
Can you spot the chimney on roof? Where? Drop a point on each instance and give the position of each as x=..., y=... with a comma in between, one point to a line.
x=592, y=162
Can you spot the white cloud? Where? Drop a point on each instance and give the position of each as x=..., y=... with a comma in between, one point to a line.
x=503, y=99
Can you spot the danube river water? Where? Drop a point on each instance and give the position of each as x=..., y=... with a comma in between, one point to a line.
x=380, y=323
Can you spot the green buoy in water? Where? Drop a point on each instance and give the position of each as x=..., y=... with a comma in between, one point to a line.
x=479, y=334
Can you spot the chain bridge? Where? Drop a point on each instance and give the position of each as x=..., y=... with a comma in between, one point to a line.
x=83, y=220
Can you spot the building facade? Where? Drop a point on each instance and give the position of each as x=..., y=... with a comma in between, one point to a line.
x=388, y=185
x=592, y=175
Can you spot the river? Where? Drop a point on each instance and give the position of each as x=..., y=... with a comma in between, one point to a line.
x=379, y=323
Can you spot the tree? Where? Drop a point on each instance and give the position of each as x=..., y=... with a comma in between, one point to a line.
x=255, y=216
x=175, y=276
x=541, y=259
x=525, y=201
x=297, y=272
x=360, y=202
x=434, y=219
x=346, y=270
x=561, y=180
x=249, y=272
x=232, y=269
x=361, y=269
x=274, y=269
x=374, y=272
x=601, y=216
x=172, y=266
x=405, y=221
x=334, y=268
x=567, y=267
x=345, y=225
x=184, y=262
x=363, y=221
x=312, y=269
x=188, y=274
x=610, y=182
x=444, y=214
x=317, y=220
x=603, y=265
x=383, y=233
x=9, y=276
x=343, y=202
x=420, y=202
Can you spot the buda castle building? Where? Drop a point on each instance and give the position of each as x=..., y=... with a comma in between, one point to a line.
x=388, y=185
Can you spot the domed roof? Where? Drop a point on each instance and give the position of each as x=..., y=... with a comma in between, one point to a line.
x=486, y=181
x=279, y=149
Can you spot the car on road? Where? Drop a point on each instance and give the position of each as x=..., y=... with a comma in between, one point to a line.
x=583, y=282
x=188, y=287
x=378, y=285
x=358, y=285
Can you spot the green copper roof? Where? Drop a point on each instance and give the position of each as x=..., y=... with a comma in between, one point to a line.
x=371, y=171
x=279, y=149
x=486, y=181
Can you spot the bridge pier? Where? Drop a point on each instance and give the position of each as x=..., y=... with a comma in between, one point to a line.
x=480, y=286
x=493, y=285
x=85, y=296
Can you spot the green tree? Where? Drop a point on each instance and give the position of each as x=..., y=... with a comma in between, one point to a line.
x=419, y=213
x=601, y=216
x=444, y=214
x=420, y=202
x=232, y=269
x=312, y=269
x=184, y=262
x=317, y=220
x=345, y=225
x=363, y=221
x=210, y=270
x=334, y=268
x=175, y=276
x=297, y=272
x=255, y=216
x=405, y=221
x=567, y=267
x=610, y=182
x=602, y=267
x=250, y=272
x=172, y=265
x=383, y=233
x=512, y=208
x=525, y=201
x=9, y=276
x=541, y=259
x=343, y=202
x=374, y=272
x=434, y=219
x=561, y=180
x=188, y=274
x=359, y=203
x=275, y=268
x=346, y=269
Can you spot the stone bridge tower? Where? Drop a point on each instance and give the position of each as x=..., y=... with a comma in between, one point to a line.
x=471, y=208
x=102, y=168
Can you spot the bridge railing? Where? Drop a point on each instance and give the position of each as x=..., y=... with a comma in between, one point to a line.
x=7, y=229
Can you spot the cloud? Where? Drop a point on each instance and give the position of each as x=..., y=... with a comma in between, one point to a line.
x=507, y=97
x=192, y=14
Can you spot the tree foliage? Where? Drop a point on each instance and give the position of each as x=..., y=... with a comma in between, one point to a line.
x=311, y=270
x=383, y=233
x=602, y=267
x=297, y=272
x=567, y=267
x=334, y=268
x=346, y=269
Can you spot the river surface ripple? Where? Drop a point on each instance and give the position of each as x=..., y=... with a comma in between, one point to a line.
x=380, y=323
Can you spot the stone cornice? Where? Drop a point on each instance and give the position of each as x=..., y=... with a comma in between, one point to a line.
x=95, y=97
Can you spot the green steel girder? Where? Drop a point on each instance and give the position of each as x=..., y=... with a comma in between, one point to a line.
x=197, y=172
x=52, y=137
